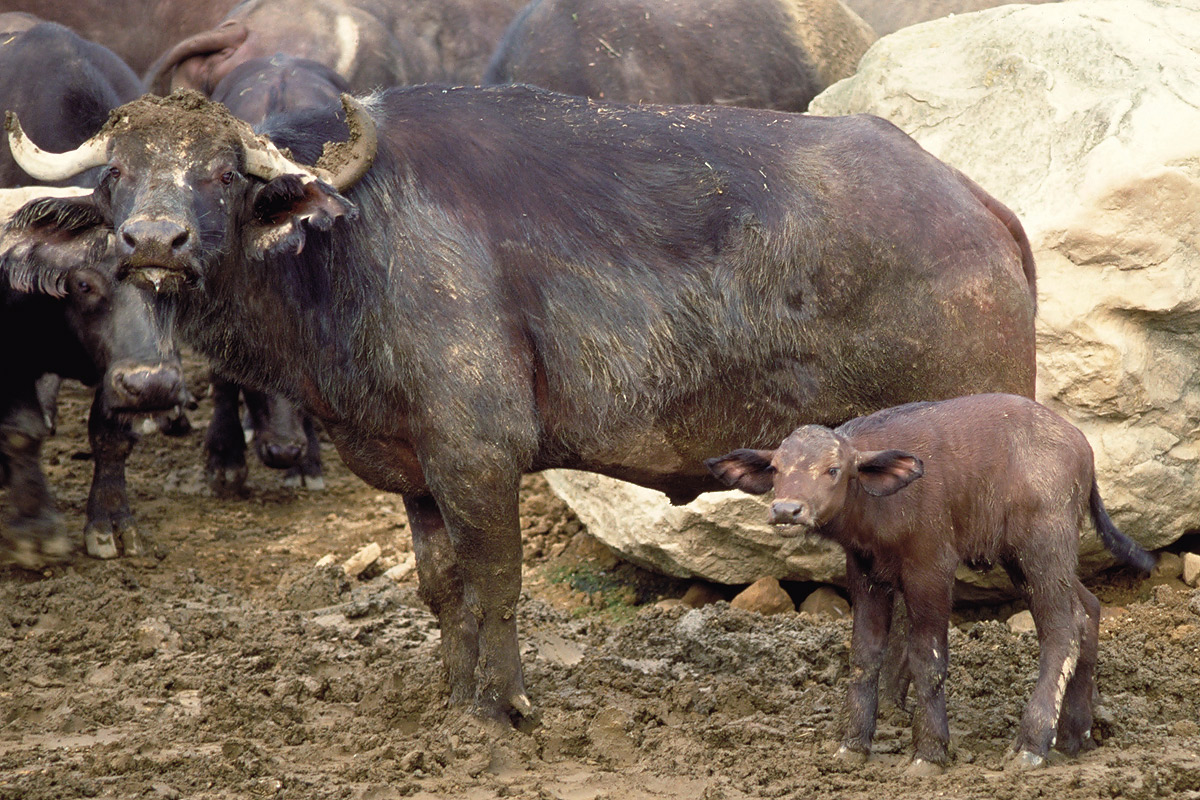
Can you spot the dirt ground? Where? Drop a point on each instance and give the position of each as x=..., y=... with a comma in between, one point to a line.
x=229, y=665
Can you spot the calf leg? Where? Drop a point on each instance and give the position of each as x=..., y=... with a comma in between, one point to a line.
x=928, y=594
x=441, y=587
x=110, y=523
x=872, y=620
x=225, y=443
x=308, y=473
x=36, y=533
x=1061, y=618
x=1075, y=719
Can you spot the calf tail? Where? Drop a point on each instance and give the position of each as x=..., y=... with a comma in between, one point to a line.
x=1120, y=545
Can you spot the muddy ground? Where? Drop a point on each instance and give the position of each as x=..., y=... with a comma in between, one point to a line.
x=228, y=665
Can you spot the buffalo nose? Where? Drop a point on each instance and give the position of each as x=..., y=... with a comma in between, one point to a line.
x=281, y=455
x=148, y=388
x=162, y=234
x=786, y=512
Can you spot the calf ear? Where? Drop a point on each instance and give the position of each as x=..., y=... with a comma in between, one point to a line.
x=884, y=472
x=748, y=470
x=49, y=237
x=283, y=208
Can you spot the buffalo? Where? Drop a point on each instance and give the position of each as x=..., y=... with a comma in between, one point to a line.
x=757, y=53
x=337, y=33
x=63, y=311
x=909, y=493
x=474, y=283
x=284, y=437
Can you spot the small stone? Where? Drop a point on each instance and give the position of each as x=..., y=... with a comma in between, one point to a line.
x=701, y=594
x=765, y=596
x=1022, y=622
x=1191, y=569
x=357, y=564
x=1112, y=612
x=401, y=571
x=325, y=561
x=825, y=602
x=1169, y=566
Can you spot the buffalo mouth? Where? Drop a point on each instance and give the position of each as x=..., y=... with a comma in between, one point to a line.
x=157, y=277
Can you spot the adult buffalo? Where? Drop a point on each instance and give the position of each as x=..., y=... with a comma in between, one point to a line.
x=136, y=30
x=63, y=311
x=525, y=280
x=755, y=53
x=347, y=39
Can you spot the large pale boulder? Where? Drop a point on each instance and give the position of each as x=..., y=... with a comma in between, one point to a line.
x=1082, y=117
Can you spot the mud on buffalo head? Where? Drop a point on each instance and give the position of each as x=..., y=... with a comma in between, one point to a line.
x=58, y=247
x=187, y=185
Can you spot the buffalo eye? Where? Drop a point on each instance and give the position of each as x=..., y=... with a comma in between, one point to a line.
x=111, y=175
x=227, y=177
x=833, y=471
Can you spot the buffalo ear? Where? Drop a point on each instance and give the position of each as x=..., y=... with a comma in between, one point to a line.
x=284, y=206
x=47, y=238
x=884, y=472
x=748, y=470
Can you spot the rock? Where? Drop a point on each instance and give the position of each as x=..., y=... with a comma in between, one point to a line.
x=1191, y=569
x=1079, y=116
x=403, y=570
x=1169, y=567
x=358, y=563
x=765, y=596
x=825, y=602
x=887, y=16
x=701, y=594
x=1022, y=622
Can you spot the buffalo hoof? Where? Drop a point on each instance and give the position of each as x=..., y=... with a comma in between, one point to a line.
x=227, y=481
x=35, y=543
x=101, y=540
x=519, y=714
x=920, y=768
x=132, y=541
x=1025, y=760
x=313, y=483
x=851, y=756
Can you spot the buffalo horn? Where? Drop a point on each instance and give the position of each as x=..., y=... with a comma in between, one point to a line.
x=45, y=166
x=264, y=160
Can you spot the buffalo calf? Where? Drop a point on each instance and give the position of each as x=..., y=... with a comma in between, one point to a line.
x=1002, y=480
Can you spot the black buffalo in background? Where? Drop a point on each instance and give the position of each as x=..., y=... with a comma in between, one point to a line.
x=755, y=53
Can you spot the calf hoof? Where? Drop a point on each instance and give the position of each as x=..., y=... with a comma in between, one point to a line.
x=848, y=755
x=1025, y=760
x=100, y=540
x=298, y=480
x=920, y=768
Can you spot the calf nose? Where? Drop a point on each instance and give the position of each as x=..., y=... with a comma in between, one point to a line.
x=787, y=512
x=165, y=236
x=147, y=388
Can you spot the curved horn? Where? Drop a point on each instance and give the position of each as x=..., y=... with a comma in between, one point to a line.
x=229, y=33
x=342, y=164
x=44, y=166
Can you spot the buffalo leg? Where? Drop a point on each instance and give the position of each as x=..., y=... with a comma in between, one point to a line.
x=872, y=620
x=110, y=523
x=1061, y=619
x=929, y=602
x=486, y=532
x=1075, y=720
x=308, y=472
x=441, y=587
x=225, y=443
x=37, y=532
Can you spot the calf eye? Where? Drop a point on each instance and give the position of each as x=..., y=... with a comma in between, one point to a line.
x=833, y=472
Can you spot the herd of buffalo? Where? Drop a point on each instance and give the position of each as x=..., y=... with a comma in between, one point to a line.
x=473, y=239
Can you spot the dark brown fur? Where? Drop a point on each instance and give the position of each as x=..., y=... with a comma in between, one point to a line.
x=912, y=492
